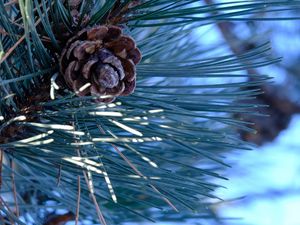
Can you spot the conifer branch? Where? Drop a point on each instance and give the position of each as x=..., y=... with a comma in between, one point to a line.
x=73, y=74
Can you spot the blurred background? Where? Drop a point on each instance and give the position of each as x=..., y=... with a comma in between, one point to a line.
x=264, y=184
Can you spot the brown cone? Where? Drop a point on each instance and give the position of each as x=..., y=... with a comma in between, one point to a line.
x=103, y=57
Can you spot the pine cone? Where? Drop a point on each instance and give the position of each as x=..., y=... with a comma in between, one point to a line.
x=103, y=57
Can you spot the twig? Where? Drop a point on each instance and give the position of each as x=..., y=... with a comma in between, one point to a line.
x=14, y=187
x=2, y=31
x=11, y=49
x=91, y=189
x=1, y=164
x=12, y=2
x=78, y=201
x=58, y=175
x=4, y=205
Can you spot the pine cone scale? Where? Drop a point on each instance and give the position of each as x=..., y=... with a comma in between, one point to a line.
x=69, y=77
x=87, y=68
x=130, y=86
x=135, y=55
x=129, y=68
x=70, y=50
x=97, y=33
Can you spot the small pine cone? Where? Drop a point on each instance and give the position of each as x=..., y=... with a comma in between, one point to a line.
x=103, y=57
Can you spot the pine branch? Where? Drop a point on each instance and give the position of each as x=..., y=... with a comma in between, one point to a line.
x=132, y=152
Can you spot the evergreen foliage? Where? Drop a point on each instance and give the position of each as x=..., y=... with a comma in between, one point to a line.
x=148, y=155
